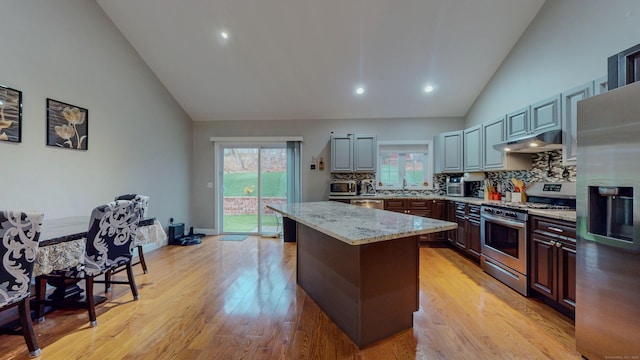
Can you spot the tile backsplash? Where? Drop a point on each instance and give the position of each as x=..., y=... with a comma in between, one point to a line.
x=546, y=166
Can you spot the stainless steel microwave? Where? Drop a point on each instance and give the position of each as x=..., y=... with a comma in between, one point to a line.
x=343, y=188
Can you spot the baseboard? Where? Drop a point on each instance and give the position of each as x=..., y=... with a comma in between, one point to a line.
x=205, y=231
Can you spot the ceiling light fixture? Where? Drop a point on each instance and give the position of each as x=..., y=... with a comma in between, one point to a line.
x=360, y=90
x=224, y=35
x=428, y=88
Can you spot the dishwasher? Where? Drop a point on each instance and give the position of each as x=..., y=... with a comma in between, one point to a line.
x=369, y=203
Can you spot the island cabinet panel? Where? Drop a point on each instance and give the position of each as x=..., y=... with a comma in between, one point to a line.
x=553, y=261
x=370, y=291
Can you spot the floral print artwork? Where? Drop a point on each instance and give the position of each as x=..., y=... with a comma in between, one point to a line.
x=10, y=114
x=67, y=125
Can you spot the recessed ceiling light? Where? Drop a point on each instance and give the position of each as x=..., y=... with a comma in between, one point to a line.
x=360, y=90
x=224, y=35
x=428, y=88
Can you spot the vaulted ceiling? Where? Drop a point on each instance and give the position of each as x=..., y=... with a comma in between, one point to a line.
x=304, y=59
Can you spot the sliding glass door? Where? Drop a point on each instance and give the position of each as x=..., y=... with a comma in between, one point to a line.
x=253, y=176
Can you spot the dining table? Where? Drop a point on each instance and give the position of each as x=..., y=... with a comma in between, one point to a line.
x=63, y=242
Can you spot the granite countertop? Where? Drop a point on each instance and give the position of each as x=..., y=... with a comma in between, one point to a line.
x=357, y=225
x=567, y=215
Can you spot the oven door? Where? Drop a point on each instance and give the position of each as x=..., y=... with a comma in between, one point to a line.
x=504, y=240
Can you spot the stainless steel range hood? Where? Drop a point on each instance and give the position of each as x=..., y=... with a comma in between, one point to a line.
x=546, y=141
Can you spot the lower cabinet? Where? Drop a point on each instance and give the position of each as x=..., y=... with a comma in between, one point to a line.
x=451, y=216
x=467, y=235
x=553, y=261
x=434, y=209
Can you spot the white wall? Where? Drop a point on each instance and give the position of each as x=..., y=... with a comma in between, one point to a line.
x=316, y=135
x=139, y=138
x=566, y=45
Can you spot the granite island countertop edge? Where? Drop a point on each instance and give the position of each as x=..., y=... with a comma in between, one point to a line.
x=341, y=226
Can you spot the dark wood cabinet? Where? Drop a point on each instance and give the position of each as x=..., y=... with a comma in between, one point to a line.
x=430, y=208
x=473, y=230
x=461, y=219
x=451, y=216
x=438, y=212
x=467, y=237
x=553, y=260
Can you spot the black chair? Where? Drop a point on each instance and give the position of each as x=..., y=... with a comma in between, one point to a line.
x=112, y=228
x=19, y=234
x=142, y=204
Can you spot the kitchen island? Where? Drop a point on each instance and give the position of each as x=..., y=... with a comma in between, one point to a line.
x=360, y=265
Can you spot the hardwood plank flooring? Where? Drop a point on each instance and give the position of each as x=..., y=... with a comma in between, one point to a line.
x=239, y=300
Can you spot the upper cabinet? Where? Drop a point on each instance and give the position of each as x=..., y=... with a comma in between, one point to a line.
x=476, y=143
x=353, y=153
x=545, y=115
x=570, y=100
x=518, y=123
x=449, y=152
x=365, y=155
x=538, y=117
x=341, y=153
x=494, y=132
x=600, y=85
x=472, y=148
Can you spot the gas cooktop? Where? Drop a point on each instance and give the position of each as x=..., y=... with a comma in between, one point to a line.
x=548, y=196
x=533, y=205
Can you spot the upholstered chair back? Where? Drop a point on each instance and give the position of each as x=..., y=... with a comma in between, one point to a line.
x=19, y=235
x=142, y=203
x=112, y=229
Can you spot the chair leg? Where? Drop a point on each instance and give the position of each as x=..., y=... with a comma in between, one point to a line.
x=41, y=296
x=132, y=281
x=107, y=281
x=142, y=262
x=91, y=306
x=27, y=328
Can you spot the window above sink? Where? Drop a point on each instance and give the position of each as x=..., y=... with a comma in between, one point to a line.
x=405, y=165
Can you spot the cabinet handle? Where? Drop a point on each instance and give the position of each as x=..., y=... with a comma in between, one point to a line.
x=408, y=211
x=552, y=243
x=558, y=244
x=555, y=229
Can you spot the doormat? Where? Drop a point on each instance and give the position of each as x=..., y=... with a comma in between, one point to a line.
x=234, y=237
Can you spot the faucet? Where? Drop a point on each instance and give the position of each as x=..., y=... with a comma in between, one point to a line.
x=404, y=185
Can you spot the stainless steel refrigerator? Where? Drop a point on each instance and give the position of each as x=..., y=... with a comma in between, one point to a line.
x=608, y=225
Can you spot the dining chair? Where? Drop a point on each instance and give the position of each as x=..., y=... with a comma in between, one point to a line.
x=142, y=204
x=19, y=234
x=112, y=228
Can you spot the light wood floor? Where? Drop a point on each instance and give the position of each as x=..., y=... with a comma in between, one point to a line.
x=239, y=300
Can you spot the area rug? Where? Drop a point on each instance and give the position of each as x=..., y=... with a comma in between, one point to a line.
x=234, y=237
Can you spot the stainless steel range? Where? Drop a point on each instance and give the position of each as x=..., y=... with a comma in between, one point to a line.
x=503, y=231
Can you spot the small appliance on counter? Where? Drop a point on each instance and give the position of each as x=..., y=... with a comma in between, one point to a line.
x=343, y=188
x=463, y=185
x=366, y=187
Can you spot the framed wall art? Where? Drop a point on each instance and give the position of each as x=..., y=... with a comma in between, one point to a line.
x=10, y=114
x=67, y=125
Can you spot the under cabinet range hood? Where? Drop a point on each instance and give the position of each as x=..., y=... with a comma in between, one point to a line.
x=545, y=141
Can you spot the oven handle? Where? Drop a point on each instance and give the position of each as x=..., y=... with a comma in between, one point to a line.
x=505, y=222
